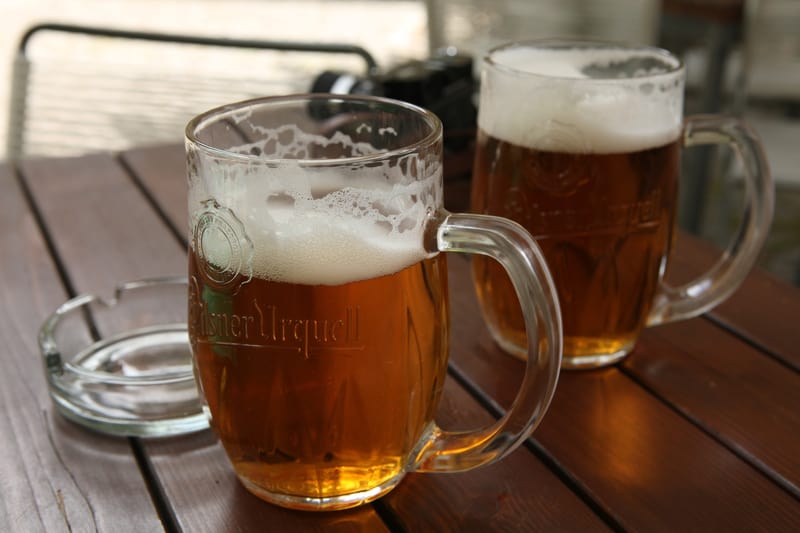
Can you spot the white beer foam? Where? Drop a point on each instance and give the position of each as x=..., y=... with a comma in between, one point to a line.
x=320, y=226
x=542, y=99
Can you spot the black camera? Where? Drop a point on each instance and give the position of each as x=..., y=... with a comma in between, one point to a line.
x=443, y=84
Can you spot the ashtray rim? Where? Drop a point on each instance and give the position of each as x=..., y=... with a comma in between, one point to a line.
x=67, y=376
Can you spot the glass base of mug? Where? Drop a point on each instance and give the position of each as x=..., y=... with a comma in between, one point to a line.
x=579, y=354
x=588, y=362
x=329, y=503
x=582, y=353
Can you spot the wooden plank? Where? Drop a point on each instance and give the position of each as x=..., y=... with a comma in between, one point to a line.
x=56, y=475
x=761, y=310
x=514, y=494
x=105, y=231
x=102, y=227
x=652, y=468
x=644, y=463
x=163, y=169
x=516, y=491
x=734, y=427
x=206, y=495
x=730, y=389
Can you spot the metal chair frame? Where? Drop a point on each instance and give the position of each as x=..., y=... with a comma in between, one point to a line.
x=20, y=112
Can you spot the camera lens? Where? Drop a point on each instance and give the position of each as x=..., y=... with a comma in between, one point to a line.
x=334, y=82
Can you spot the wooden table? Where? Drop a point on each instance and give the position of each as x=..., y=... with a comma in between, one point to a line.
x=699, y=429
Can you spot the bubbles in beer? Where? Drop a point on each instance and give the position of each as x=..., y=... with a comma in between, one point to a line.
x=573, y=100
x=316, y=224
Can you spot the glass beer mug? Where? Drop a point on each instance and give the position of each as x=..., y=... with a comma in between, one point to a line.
x=580, y=143
x=318, y=298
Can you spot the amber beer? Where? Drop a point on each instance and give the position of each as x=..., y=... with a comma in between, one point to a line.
x=604, y=222
x=320, y=390
x=579, y=143
x=318, y=307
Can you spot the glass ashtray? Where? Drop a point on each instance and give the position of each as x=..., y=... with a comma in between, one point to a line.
x=123, y=365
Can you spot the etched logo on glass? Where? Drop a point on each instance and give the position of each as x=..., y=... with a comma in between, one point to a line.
x=225, y=253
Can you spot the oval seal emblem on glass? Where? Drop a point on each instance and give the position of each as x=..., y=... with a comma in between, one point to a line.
x=223, y=247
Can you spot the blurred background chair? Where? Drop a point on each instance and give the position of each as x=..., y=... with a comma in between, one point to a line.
x=770, y=101
x=743, y=59
x=708, y=36
x=77, y=89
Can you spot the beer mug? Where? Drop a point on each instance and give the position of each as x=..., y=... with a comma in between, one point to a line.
x=318, y=298
x=581, y=143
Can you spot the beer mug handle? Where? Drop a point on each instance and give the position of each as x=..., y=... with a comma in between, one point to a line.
x=722, y=279
x=514, y=248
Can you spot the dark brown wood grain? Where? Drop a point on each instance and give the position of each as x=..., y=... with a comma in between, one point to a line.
x=101, y=224
x=764, y=310
x=515, y=494
x=56, y=476
x=673, y=408
x=697, y=430
x=736, y=393
x=162, y=171
x=619, y=441
x=105, y=231
x=205, y=494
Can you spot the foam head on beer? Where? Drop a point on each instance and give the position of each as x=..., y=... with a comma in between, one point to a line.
x=319, y=224
x=571, y=100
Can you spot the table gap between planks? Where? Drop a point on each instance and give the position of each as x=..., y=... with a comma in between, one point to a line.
x=698, y=429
